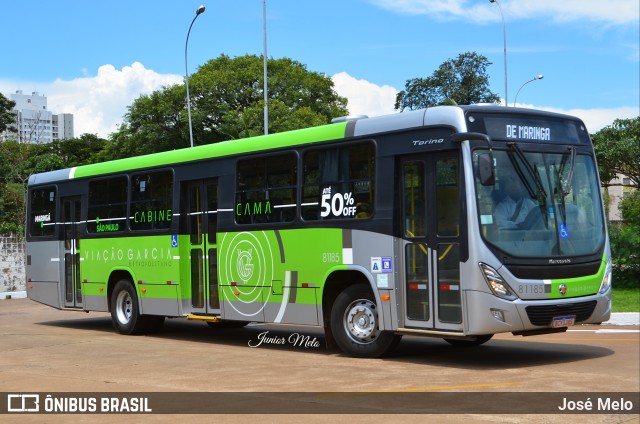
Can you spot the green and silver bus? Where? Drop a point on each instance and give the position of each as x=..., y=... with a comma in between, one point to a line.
x=456, y=222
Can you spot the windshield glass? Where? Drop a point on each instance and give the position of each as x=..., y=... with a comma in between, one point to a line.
x=542, y=204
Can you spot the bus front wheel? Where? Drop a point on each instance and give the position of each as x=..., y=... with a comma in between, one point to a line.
x=125, y=311
x=355, y=324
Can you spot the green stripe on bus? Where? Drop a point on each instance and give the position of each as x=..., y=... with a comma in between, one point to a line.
x=226, y=148
x=579, y=286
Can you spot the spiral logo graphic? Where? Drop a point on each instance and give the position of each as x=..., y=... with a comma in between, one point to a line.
x=244, y=266
x=249, y=264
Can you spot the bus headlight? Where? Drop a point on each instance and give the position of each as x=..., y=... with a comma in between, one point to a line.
x=606, y=281
x=495, y=282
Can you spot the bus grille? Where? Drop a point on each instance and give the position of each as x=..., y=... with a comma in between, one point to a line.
x=542, y=315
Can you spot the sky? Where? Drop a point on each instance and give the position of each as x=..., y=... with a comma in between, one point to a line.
x=94, y=58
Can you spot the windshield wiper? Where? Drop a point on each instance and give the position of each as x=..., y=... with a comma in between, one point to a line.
x=557, y=175
x=569, y=180
x=542, y=193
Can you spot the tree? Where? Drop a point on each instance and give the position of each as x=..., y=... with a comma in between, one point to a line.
x=229, y=99
x=617, y=148
x=227, y=103
x=17, y=162
x=155, y=122
x=83, y=150
x=7, y=116
x=625, y=239
x=463, y=80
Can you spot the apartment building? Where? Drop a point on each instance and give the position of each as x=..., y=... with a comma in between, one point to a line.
x=35, y=123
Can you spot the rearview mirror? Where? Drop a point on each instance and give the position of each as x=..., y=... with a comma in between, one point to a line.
x=485, y=169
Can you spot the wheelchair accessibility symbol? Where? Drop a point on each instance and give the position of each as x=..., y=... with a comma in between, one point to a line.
x=564, y=232
x=174, y=240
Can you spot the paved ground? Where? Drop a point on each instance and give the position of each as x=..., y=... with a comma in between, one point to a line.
x=46, y=350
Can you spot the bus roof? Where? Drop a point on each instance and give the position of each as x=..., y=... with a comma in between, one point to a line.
x=224, y=148
x=452, y=116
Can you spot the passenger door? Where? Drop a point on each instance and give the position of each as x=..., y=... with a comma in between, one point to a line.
x=71, y=254
x=200, y=201
x=431, y=225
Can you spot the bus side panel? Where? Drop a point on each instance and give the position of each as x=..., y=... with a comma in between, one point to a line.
x=43, y=272
x=159, y=299
x=277, y=276
x=93, y=298
x=150, y=260
x=375, y=253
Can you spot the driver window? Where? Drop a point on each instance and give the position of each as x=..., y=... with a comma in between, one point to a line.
x=512, y=201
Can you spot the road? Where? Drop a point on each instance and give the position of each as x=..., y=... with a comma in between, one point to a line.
x=43, y=350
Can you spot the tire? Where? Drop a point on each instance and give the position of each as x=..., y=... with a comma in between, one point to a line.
x=125, y=311
x=468, y=342
x=354, y=323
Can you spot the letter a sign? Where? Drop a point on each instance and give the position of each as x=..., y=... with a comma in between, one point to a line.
x=376, y=265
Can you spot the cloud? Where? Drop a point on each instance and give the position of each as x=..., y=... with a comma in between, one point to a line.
x=594, y=119
x=99, y=102
x=365, y=98
x=615, y=12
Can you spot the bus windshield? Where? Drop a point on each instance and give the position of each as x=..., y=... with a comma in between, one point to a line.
x=542, y=204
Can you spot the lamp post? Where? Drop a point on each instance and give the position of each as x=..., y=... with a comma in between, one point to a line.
x=504, y=37
x=266, y=93
x=186, y=71
x=537, y=77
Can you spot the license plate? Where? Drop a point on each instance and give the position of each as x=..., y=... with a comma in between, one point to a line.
x=560, y=322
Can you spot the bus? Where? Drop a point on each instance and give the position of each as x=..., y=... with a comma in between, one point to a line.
x=370, y=228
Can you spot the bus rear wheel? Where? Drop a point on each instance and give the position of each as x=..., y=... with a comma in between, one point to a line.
x=125, y=311
x=355, y=324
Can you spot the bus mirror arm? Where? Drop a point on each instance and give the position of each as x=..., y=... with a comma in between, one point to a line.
x=485, y=160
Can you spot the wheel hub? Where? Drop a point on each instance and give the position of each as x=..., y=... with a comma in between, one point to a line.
x=124, y=307
x=361, y=321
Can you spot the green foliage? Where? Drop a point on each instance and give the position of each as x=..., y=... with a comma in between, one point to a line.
x=12, y=208
x=88, y=148
x=630, y=208
x=7, y=117
x=153, y=123
x=227, y=102
x=618, y=150
x=624, y=250
x=20, y=160
x=463, y=80
x=625, y=239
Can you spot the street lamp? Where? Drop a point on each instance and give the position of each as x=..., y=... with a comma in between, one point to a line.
x=186, y=72
x=504, y=37
x=266, y=94
x=537, y=77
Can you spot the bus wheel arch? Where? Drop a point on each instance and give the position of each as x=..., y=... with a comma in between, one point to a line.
x=335, y=283
x=351, y=317
x=114, y=278
x=124, y=306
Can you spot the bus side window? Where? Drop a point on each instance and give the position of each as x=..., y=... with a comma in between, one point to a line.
x=43, y=212
x=447, y=198
x=107, y=210
x=151, y=200
x=338, y=183
x=415, y=217
x=266, y=189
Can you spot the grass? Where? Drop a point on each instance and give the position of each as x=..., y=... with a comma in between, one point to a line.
x=626, y=300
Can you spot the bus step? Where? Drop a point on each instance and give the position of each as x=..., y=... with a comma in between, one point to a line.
x=206, y=318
